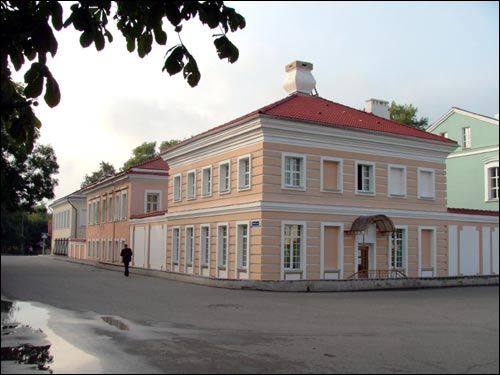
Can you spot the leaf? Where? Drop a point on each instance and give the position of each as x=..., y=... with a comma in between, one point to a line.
x=191, y=72
x=57, y=13
x=52, y=94
x=174, y=63
x=108, y=35
x=99, y=41
x=16, y=57
x=226, y=49
x=160, y=35
x=130, y=43
x=34, y=88
x=86, y=38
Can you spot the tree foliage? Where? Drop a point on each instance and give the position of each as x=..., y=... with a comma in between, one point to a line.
x=27, y=33
x=407, y=114
x=146, y=151
x=105, y=170
x=26, y=175
x=22, y=228
x=141, y=153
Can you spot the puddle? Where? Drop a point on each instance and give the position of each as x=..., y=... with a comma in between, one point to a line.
x=25, y=330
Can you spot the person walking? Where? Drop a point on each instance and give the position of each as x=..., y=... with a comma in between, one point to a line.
x=126, y=255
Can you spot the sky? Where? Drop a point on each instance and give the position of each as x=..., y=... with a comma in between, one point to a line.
x=433, y=55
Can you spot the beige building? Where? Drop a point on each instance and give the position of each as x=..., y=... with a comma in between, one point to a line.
x=69, y=221
x=306, y=188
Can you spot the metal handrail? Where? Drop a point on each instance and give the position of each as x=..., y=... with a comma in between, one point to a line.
x=378, y=274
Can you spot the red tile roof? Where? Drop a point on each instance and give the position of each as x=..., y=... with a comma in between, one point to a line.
x=309, y=108
x=469, y=211
x=325, y=112
x=156, y=163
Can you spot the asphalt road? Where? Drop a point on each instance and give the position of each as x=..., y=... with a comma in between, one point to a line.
x=184, y=328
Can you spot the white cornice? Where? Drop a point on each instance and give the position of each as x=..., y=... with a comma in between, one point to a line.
x=453, y=110
x=300, y=208
x=474, y=152
x=361, y=141
x=233, y=138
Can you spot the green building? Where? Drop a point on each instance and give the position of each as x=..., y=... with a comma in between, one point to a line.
x=472, y=169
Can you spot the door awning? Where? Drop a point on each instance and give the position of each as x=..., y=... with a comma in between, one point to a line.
x=383, y=223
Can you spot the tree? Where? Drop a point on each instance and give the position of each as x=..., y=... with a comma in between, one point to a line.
x=26, y=177
x=141, y=153
x=166, y=144
x=105, y=169
x=407, y=114
x=27, y=33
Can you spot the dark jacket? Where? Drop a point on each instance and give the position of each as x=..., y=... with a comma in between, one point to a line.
x=126, y=255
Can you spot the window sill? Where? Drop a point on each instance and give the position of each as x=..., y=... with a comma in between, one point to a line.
x=242, y=270
x=224, y=192
x=365, y=193
x=191, y=198
x=206, y=195
x=295, y=188
x=397, y=196
x=244, y=188
x=204, y=266
x=221, y=268
x=332, y=191
x=427, y=198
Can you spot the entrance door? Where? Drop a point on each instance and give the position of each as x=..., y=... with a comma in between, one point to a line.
x=363, y=251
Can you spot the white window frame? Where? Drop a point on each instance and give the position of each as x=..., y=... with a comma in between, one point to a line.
x=303, y=172
x=160, y=197
x=389, y=180
x=487, y=181
x=203, y=193
x=466, y=141
x=433, y=250
x=219, y=247
x=116, y=206
x=191, y=172
x=340, y=175
x=239, y=254
x=177, y=192
x=228, y=177
x=241, y=186
x=189, y=262
x=303, y=250
x=202, y=248
x=124, y=208
x=405, y=249
x=176, y=254
x=433, y=172
x=373, y=180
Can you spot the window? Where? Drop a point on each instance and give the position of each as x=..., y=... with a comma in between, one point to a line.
x=104, y=209
x=224, y=177
x=97, y=210
x=152, y=201
x=398, y=249
x=83, y=217
x=244, y=176
x=426, y=188
x=189, y=246
x=491, y=172
x=191, y=185
x=205, y=245
x=397, y=181
x=98, y=249
x=243, y=246
x=89, y=249
x=175, y=245
x=110, y=208
x=294, y=175
x=89, y=213
x=207, y=181
x=117, y=207
x=177, y=187
x=331, y=175
x=110, y=249
x=222, y=245
x=466, y=137
x=124, y=210
x=365, y=178
x=292, y=246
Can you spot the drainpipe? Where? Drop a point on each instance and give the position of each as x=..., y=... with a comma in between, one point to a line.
x=76, y=223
